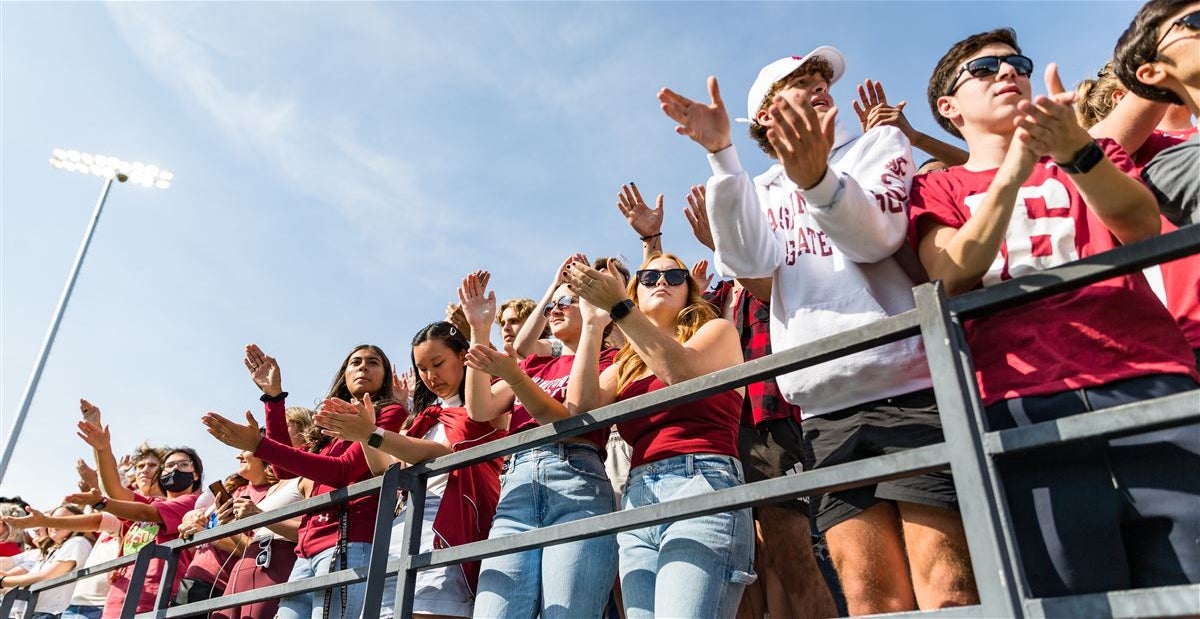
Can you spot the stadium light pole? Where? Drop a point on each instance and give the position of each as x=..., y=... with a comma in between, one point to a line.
x=110, y=169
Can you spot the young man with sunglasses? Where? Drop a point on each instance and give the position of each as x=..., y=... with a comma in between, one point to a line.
x=1036, y=192
x=1158, y=58
x=825, y=224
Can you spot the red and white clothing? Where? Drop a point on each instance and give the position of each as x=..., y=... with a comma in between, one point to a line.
x=1104, y=332
x=338, y=464
x=551, y=374
x=1177, y=284
x=707, y=426
x=830, y=251
x=213, y=565
x=138, y=534
x=470, y=494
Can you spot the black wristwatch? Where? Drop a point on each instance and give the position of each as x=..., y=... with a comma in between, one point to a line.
x=100, y=505
x=621, y=309
x=376, y=438
x=1084, y=160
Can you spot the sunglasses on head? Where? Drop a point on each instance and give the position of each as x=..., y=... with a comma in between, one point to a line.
x=650, y=277
x=562, y=303
x=990, y=65
x=1191, y=21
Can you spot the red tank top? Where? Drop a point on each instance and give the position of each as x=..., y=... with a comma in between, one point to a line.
x=707, y=426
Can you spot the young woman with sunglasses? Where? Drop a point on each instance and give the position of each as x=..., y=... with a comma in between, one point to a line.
x=338, y=537
x=458, y=505
x=688, y=568
x=543, y=486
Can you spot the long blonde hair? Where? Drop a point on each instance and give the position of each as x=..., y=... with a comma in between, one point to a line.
x=687, y=322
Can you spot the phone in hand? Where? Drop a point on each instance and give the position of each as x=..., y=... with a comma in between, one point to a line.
x=220, y=494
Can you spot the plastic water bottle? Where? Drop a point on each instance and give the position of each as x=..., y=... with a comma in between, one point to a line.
x=212, y=521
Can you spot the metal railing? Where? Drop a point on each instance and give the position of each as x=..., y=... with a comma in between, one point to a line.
x=968, y=450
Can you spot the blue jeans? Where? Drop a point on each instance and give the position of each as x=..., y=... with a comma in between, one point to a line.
x=686, y=568
x=545, y=486
x=311, y=605
x=75, y=611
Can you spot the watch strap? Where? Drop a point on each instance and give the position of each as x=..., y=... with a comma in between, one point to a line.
x=376, y=438
x=1084, y=160
x=621, y=310
x=101, y=504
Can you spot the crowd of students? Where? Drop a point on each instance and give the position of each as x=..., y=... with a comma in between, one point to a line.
x=832, y=237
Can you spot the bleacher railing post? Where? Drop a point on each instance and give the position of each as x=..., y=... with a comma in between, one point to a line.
x=137, y=580
x=410, y=544
x=381, y=542
x=11, y=598
x=980, y=501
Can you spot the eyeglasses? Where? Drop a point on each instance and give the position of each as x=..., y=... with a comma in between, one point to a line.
x=990, y=65
x=183, y=465
x=562, y=304
x=1191, y=21
x=263, y=559
x=650, y=277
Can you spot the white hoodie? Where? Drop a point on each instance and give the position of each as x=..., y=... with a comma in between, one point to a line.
x=829, y=251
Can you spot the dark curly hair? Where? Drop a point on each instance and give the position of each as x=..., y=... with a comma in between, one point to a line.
x=1138, y=46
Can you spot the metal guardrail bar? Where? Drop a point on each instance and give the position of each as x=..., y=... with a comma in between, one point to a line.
x=878, y=333
x=1144, y=416
x=1177, y=601
x=890, y=466
x=1079, y=273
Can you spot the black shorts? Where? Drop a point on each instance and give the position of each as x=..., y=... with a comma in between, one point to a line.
x=875, y=429
x=1104, y=514
x=772, y=449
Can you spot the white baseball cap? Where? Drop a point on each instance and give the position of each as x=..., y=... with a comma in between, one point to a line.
x=782, y=68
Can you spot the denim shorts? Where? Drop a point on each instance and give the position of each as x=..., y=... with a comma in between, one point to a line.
x=696, y=567
x=311, y=605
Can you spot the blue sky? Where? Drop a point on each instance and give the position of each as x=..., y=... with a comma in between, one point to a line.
x=340, y=166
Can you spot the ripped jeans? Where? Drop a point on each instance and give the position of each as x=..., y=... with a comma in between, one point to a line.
x=686, y=568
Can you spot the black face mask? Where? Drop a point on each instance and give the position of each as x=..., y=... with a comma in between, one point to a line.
x=177, y=480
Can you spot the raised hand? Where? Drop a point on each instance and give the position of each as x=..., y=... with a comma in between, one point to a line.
x=94, y=435
x=479, y=309
x=264, y=370
x=35, y=518
x=700, y=273
x=707, y=124
x=352, y=421
x=601, y=289
x=644, y=220
x=403, y=384
x=873, y=110
x=192, y=523
x=91, y=412
x=697, y=216
x=560, y=276
x=494, y=362
x=239, y=436
x=88, y=478
x=1049, y=126
x=89, y=497
x=802, y=140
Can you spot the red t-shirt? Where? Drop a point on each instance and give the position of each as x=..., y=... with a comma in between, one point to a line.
x=1108, y=331
x=1158, y=142
x=338, y=464
x=552, y=374
x=707, y=426
x=1177, y=284
x=138, y=534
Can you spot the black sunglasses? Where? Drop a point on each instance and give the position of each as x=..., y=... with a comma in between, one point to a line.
x=990, y=65
x=650, y=277
x=562, y=303
x=1191, y=21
